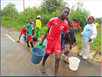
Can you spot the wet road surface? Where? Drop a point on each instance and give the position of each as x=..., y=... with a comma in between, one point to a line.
x=16, y=60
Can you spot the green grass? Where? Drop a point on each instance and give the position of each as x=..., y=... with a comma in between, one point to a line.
x=12, y=23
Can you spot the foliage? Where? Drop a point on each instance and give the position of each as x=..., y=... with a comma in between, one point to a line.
x=52, y=5
x=79, y=15
x=9, y=11
x=98, y=20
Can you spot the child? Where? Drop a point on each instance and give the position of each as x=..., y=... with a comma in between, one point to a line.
x=33, y=27
x=55, y=27
x=88, y=35
x=64, y=56
x=38, y=25
x=23, y=31
x=29, y=33
x=62, y=35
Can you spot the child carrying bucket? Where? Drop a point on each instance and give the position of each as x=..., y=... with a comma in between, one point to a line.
x=64, y=56
x=55, y=27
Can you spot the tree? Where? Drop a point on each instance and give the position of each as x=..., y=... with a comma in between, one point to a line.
x=52, y=5
x=79, y=14
x=9, y=11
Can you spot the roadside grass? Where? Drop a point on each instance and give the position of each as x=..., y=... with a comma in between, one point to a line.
x=12, y=23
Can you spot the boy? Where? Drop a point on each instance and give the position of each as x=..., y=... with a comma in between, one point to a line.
x=23, y=31
x=64, y=56
x=33, y=27
x=29, y=33
x=55, y=27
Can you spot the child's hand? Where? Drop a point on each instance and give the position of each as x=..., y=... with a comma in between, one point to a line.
x=40, y=43
x=70, y=46
x=90, y=39
x=80, y=35
x=18, y=41
x=27, y=31
x=75, y=43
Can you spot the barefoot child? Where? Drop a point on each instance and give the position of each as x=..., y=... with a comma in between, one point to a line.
x=55, y=27
x=64, y=56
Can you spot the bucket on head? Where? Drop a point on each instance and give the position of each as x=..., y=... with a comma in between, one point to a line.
x=37, y=54
x=74, y=63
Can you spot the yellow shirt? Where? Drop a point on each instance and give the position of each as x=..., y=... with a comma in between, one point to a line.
x=97, y=24
x=38, y=23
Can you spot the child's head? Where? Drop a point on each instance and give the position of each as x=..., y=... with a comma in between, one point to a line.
x=64, y=12
x=71, y=23
x=38, y=17
x=30, y=21
x=27, y=21
x=91, y=19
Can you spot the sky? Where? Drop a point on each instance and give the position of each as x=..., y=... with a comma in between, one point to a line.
x=93, y=6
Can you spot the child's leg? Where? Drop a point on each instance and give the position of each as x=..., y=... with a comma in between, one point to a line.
x=67, y=50
x=25, y=37
x=43, y=63
x=28, y=43
x=57, y=60
x=31, y=44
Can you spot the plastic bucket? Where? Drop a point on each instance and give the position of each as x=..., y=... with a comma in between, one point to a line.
x=37, y=54
x=74, y=63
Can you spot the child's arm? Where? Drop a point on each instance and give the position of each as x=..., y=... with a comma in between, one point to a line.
x=63, y=41
x=63, y=44
x=69, y=39
x=26, y=29
x=44, y=37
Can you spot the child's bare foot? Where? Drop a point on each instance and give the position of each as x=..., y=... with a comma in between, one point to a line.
x=43, y=69
x=18, y=41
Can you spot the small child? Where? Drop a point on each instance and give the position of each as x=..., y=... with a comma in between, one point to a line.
x=29, y=33
x=23, y=31
x=64, y=56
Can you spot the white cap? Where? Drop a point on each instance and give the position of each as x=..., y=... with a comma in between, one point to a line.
x=38, y=16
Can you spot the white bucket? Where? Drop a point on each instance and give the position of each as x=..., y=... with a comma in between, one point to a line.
x=74, y=63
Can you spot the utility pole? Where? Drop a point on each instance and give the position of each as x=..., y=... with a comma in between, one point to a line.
x=24, y=6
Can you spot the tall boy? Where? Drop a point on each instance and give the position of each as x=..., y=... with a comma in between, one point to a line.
x=55, y=27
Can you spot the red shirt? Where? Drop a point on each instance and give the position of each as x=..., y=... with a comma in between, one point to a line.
x=23, y=31
x=76, y=25
x=56, y=27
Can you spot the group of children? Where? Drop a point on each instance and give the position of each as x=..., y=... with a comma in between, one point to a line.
x=29, y=29
x=52, y=35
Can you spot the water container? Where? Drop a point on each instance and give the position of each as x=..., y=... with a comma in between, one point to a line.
x=74, y=63
x=37, y=54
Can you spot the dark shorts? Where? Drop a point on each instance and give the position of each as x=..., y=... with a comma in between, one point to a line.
x=67, y=42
